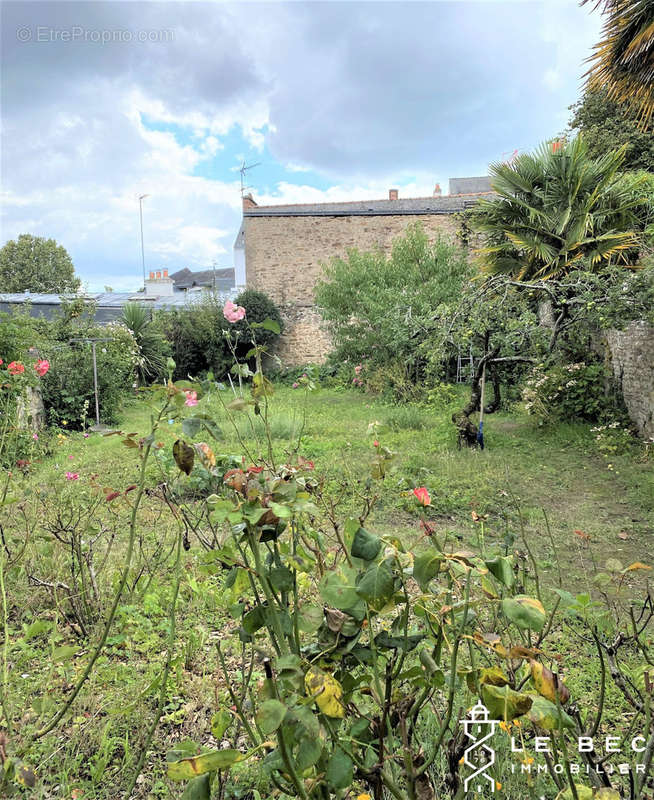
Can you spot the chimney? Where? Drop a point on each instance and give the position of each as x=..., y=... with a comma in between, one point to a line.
x=393, y=194
x=437, y=190
x=152, y=276
x=248, y=202
x=165, y=273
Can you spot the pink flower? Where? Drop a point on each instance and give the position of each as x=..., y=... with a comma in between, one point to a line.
x=358, y=368
x=375, y=443
x=72, y=476
x=86, y=436
x=191, y=398
x=15, y=368
x=232, y=312
x=70, y=458
x=422, y=495
x=35, y=436
x=1, y=362
x=295, y=385
x=42, y=366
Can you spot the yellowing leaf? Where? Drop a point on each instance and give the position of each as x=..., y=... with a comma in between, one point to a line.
x=637, y=565
x=546, y=683
x=326, y=691
x=187, y=768
x=206, y=455
x=493, y=676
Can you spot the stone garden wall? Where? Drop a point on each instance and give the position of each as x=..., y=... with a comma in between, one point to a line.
x=632, y=360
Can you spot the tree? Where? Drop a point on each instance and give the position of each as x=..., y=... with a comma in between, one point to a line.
x=513, y=324
x=35, y=264
x=153, y=347
x=607, y=125
x=558, y=210
x=623, y=62
x=377, y=307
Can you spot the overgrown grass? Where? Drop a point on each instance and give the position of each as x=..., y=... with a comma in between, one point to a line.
x=525, y=483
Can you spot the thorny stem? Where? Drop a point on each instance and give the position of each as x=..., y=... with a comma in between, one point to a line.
x=5, y=643
x=119, y=591
x=450, y=699
x=164, y=677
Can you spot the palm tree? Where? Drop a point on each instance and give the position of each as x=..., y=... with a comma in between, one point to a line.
x=623, y=62
x=153, y=348
x=557, y=210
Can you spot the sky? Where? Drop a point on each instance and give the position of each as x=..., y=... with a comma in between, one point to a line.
x=104, y=101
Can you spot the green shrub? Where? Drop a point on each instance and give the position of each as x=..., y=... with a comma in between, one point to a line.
x=378, y=308
x=567, y=393
x=258, y=307
x=197, y=339
x=68, y=388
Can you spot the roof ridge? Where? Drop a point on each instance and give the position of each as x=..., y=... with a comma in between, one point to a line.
x=370, y=200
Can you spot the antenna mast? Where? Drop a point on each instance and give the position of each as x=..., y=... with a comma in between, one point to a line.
x=244, y=168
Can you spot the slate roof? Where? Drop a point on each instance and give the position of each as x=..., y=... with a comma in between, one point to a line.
x=185, y=278
x=112, y=300
x=446, y=204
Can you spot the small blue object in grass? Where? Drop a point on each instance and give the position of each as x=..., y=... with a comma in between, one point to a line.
x=480, y=435
x=171, y=421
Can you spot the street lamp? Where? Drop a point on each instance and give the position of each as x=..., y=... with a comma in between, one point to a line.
x=141, y=198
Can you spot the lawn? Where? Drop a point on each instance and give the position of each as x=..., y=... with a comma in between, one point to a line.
x=548, y=495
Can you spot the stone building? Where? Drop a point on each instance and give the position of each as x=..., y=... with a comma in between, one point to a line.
x=281, y=249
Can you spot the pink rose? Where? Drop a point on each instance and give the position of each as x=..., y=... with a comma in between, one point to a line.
x=232, y=312
x=191, y=398
x=422, y=496
x=42, y=366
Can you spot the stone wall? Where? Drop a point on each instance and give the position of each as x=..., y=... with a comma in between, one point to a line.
x=284, y=257
x=304, y=340
x=632, y=360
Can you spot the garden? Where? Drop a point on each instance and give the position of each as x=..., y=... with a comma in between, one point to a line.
x=323, y=582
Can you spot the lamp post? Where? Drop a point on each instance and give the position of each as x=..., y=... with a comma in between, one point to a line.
x=141, y=198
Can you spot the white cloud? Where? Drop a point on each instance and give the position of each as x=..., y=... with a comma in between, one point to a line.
x=364, y=94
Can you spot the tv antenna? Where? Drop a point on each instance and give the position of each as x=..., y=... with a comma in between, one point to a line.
x=245, y=168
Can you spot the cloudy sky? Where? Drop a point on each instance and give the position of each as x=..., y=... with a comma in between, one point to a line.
x=103, y=101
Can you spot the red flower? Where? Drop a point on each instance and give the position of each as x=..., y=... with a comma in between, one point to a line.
x=42, y=366
x=1, y=362
x=15, y=368
x=422, y=496
x=375, y=443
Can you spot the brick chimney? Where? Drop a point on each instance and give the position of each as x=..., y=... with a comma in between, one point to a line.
x=248, y=202
x=393, y=194
x=437, y=190
x=159, y=285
